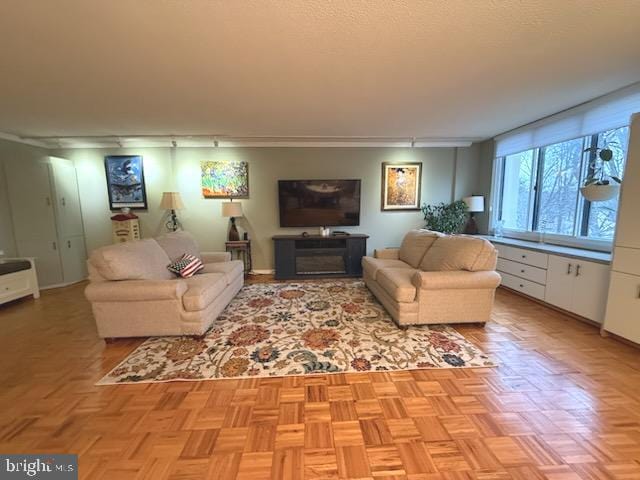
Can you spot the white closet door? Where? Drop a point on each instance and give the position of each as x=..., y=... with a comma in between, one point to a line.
x=73, y=255
x=67, y=198
x=34, y=224
x=623, y=307
x=31, y=200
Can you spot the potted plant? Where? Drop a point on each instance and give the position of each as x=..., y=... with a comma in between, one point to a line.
x=445, y=218
x=599, y=186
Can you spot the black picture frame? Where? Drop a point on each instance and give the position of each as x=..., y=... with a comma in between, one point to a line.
x=125, y=182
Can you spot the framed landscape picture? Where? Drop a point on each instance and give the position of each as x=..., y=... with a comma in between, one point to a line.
x=125, y=182
x=401, y=184
x=224, y=179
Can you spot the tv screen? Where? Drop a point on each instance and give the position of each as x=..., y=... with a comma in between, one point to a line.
x=319, y=203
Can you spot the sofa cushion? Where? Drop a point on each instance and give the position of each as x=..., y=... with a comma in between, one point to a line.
x=397, y=282
x=415, y=244
x=202, y=290
x=178, y=243
x=459, y=252
x=138, y=260
x=231, y=270
x=371, y=265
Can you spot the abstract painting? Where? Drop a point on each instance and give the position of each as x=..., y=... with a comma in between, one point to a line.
x=225, y=179
x=401, y=184
x=125, y=181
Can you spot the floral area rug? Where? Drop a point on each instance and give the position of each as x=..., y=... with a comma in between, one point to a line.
x=280, y=329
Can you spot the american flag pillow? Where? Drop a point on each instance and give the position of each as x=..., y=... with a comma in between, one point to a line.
x=186, y=266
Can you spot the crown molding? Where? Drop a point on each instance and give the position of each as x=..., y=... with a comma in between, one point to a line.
x=208, y=141
x=24, y=141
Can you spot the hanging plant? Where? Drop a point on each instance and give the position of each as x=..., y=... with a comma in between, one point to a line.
x=445, y=218
x=599, y=186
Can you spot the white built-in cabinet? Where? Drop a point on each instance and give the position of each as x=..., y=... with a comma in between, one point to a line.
x=573, y=284
x=47, y=218
x=578, y=286
x=623, y=306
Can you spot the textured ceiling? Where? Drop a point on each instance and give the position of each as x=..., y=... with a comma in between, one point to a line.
x=454, y=68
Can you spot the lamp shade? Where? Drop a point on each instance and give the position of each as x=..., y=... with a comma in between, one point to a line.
x=475, y=203
x=171, y=201
x=231, y=209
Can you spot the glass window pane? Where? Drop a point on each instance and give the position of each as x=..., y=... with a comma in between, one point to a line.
x=559, y=187
x=516, y=196
x=602, y=215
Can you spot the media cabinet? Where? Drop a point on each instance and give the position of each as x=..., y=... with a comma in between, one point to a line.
x=309, y=256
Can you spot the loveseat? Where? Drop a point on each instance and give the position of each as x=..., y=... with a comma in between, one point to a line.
x=434, y=278
x=132, y=293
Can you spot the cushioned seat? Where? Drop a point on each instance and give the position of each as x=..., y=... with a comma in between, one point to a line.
x=203, y=289
x=371, y=266
x=133, y=294
x=434, y=278
x=231, y=270
x=397, y=282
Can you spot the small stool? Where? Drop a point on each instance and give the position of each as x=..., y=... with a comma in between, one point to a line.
x=242, y=250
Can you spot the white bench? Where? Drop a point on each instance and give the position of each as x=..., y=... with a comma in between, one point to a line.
x=17, y=279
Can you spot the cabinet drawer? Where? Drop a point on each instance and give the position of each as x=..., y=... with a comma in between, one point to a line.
x=522, y=255
x=622, y=316
x=521, y=270
x=13, y=284
x=627, y=260
x=525, y=286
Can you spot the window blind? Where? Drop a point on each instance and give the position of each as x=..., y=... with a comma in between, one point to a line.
x=604, y=113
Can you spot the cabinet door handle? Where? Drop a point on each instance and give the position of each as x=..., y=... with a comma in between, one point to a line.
x=64, y=202
x=48, y=200
x=524, y=256
x=55, y=247
x=521, y=271
x=578, y=270
x=68, y=243
x=569, y=267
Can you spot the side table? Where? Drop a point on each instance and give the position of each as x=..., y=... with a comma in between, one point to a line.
x=242, y=251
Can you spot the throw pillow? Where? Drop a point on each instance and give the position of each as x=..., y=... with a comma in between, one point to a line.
x=186, y=266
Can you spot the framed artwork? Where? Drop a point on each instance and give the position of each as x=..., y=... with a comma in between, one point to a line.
x=224, y=179
x=125, y=182
x=401, y=185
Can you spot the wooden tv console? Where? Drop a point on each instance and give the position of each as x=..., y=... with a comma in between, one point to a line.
x=309, y=256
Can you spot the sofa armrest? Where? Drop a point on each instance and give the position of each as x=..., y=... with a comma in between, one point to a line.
x=387, y=253
x=215, y=257
x=456, y=280
x=135, y=290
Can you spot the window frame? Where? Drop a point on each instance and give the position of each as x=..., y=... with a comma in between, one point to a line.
x=579, y=238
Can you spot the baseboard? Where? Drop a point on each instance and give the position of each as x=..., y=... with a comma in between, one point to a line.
x=62, y=285
x=553, y=307
x=262, y=272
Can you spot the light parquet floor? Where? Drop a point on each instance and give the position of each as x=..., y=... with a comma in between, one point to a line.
x=563, y=405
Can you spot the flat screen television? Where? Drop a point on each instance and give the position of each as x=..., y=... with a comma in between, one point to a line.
x=319, y=203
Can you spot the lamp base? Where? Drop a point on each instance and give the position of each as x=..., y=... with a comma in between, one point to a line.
x=234, y=236
x=472, y=227
x=172, y=224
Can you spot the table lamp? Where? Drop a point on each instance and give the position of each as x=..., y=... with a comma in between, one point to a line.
x=475, y=204
x=172, y=201
x=232, y=209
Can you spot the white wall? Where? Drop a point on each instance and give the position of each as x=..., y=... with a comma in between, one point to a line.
x=180, y=171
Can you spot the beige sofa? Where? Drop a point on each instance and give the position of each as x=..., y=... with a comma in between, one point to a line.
x=434, y=278
x=132, y=293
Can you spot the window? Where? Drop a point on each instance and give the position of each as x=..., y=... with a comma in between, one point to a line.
x=602, y=215
x=517, y=198
x=540, y=188
x=559, y=183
